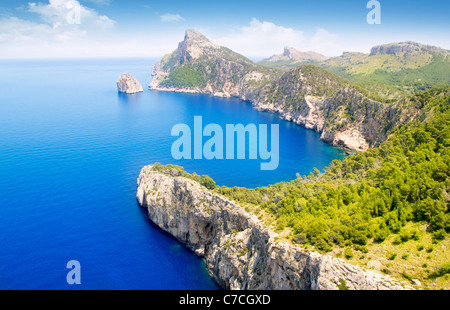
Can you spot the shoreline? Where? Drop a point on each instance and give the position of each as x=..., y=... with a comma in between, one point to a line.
x=241, y=252
x=283, y=115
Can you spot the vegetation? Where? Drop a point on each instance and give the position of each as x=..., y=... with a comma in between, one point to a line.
x=372, y=194
x=381, y=196
x=185, y=76
x=385, y=76
x=177, y=171
x=443, y=270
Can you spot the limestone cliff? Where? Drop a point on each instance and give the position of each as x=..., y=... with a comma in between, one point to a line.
x=292, y=56
x=240, y=252
x=199, y=66
x=128, y=84
x=307, y=95
x=408, y=48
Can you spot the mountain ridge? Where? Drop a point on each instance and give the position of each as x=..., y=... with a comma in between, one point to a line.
x=301, y=95
x=392, y=70
x=293, y=57
x=344, y=113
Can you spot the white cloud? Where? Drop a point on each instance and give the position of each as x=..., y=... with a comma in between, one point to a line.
x=56, y=35
x=261, y=39
x=26, y=39
x=64, y=12
x=101, y=3
x=172, y=18
x=325, y=43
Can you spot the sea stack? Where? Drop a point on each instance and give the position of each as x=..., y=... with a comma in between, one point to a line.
x=128, y=84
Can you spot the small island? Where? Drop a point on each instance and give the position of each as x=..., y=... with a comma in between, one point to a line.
x=128, y=84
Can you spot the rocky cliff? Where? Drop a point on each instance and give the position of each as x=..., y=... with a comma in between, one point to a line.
x=199, y=66
x=409, y=47
x=128, y=84
x=307, y=95
x=294, y=56
x=240, y=252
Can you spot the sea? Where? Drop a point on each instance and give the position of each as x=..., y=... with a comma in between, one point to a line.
x=71, y=149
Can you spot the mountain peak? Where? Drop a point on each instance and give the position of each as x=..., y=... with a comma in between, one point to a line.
x=193, y=35
x=194, y=45
x=293, y=54
x=407, y=47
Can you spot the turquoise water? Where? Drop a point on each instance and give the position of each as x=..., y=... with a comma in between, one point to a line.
x=71, y=149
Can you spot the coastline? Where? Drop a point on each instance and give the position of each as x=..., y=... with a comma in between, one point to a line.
x=350, y=140
x=239, y=250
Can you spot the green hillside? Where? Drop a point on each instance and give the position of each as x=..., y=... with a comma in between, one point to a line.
x=390, y=71
x=387, y=205
x=377, y=204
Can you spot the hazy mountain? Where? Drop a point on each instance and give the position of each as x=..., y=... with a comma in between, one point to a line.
x=292, y=58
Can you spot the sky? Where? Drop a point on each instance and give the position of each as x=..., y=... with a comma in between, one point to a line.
x=256, y=29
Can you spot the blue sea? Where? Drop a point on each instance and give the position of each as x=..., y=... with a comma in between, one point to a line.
x=71, y=149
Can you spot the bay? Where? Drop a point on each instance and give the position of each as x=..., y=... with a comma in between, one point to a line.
x=71, y=149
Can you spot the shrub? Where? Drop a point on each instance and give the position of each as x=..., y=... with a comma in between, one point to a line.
x=207, y=182
x=405, y=236
x=381, y=235
x=342, y=286
x=397, y=240
x=391, y=255
x=348, y=253
x=443, y=270
x=361, y=248
x=439, y=234
x=415, y=235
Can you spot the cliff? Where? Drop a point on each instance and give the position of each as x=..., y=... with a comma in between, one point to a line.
x=406, y=48
x=310, y=96
x=240, y=252
x=199, y=66
x=292, y=57
x=128, y=84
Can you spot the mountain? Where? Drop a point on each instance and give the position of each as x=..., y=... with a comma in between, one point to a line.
x=241, y=252
x=390, y=71
x=203, y=67
x=292, y=58
x=384, y=208
x=394, y=70
x=345, y=114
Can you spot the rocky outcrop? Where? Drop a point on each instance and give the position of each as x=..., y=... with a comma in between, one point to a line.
x=306, y=95
x=240, y=252
x=128, y=84
x=406, y=48
x=221, y=72
x=292, y=54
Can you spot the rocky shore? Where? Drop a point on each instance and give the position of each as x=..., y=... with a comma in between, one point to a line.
x=240, y=252
x=307, y=95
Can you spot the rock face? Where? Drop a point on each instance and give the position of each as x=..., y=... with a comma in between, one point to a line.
x=215, y=70
x=290, y=53
x=307, y=95
x=406, y=48
x=240, y=252
x=128, y=84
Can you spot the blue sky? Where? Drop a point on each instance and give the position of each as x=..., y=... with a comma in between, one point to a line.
x=113, y=28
